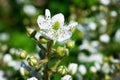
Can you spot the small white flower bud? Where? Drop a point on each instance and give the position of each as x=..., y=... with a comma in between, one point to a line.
x=92, y=25
x=7, y=58
x=32, y=78
x=12, y=51
x=29, y=10
x=66, y=77
x=113, y=13
x=82, y=69
x=93, y=69
x=72, y=68
x=105, y=38
x=105, y=2
x=117, y=36
x=106, y=68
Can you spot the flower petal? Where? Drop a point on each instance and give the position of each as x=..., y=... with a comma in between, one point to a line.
x=47, y=14
x=63, y=35
x=37, y=35
x=40, y=20
x=58, y=17
x=71, y=25
x=48, y=33
x=43, y=24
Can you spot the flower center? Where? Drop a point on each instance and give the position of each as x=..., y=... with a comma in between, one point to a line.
x=56, y=25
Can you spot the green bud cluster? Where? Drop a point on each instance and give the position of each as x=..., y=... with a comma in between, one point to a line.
x=32, y=60
x=62, y=70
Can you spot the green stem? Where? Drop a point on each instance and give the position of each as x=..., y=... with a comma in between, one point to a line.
x=54, y=68
x=41, y=46
x=46, y=73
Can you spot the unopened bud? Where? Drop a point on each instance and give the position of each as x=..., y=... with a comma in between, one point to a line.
x=23, y=71
x=70, y=44
x=23, y=54
x=105, y=59
x=111, y=58
x=32, y=61
x=43, y=40
x=66, y=52
x=62, y=70
x=72, y=68
x=66, y=77
x=93, y=69
x=32, y=78
x=60, y=51
x=31, y=32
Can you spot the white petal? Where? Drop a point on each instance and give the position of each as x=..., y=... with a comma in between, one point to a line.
x=71, y=25
x=58, y=17
x=47, y=14
x=48, y=33
x=63, y=35
x=43, y=24
x=40, y=21
x=37, y=35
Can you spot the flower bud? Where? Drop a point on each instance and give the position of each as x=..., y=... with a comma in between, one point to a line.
x=30, y=32
x=82, y=69
x=23, y=54
x=106, y=68
x=70, y=44
x=105, y=59
x=7, y=58
x=32, y=78
x=43, y=40
x=60, y=51
x=66, y=52
x=23, y=71
x=72, y=68
x=32, y=61
x=108, y=77
x=66, y=77
x=93, y=69
x=62, y=70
